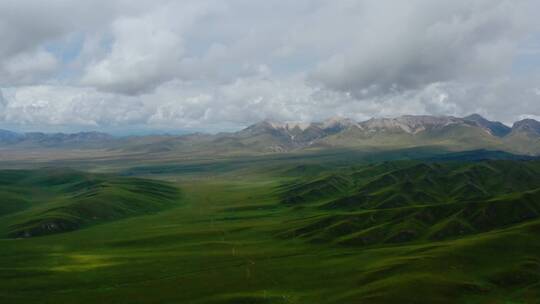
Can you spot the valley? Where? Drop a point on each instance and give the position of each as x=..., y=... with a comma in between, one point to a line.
x=269, y=152
x=323, y=227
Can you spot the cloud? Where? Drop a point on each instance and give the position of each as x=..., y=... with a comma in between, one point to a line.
x=179, y=104
x=146, y=50
x=211, y=64
x=27, y=28
x=3, y=104
x=63, y=105
x=27, y=67
x=210, y=41
x=402, y=46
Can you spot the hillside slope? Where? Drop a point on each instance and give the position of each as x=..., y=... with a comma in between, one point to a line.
x=411, y=200
x=236, y=239
x=40, y=202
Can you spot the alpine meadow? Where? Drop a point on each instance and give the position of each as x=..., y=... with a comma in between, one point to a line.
x=270, y=152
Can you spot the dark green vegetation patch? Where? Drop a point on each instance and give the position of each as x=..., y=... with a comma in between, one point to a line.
x=57, y=200
x=410, y=201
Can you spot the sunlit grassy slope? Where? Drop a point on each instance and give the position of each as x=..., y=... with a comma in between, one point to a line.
x=356, y=231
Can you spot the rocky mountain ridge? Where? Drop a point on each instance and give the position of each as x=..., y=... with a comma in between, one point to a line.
x=454, y=133
x=403, y=131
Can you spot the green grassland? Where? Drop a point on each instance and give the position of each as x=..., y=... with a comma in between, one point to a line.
x=418, y=226
x=56, y=200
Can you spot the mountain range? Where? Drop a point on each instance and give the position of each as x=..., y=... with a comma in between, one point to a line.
x=53, y=139
x=453, y=133
x=378, y=209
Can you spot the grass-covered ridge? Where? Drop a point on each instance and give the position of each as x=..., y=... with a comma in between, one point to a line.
x=377, y=231
x=411, y=201
x=40, y=202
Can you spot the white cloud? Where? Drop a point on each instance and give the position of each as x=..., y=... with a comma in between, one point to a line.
x=27, y=67
x=210, y=63
x=60, y=105
x=408, y=45
x=28, y=28
x=146, y=51
x=180, y=104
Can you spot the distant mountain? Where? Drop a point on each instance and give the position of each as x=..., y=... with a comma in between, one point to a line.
x=273, y=136
x=9, y=137
x=452, y=133
x=62, y=138
x=39, y=139
x=524, y=137
x=494, y=127
x=410, y=124
x=529, y=126
x=471, y=132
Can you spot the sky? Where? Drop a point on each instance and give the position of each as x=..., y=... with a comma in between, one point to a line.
x=142, y=66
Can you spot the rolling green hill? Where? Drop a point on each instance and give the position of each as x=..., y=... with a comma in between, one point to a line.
x=328, y=228
x=48, y=201
x=406, y=201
